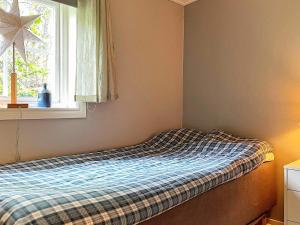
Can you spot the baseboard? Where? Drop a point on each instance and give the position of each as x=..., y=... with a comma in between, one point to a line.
x=275, y=222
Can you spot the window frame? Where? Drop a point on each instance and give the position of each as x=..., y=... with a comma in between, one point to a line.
x=61, y=108
x=44, y=113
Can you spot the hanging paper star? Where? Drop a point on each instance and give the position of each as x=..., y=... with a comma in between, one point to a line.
x=15, y=29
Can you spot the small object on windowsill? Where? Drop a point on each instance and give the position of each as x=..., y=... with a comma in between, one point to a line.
x=15, y=30
x=13, y=80
x=13, y=86
x=44, y=98
x=17, y=106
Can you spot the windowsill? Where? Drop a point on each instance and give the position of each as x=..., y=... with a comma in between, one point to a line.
x=36, y=113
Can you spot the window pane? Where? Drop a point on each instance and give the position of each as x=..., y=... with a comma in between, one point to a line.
x=40, y=65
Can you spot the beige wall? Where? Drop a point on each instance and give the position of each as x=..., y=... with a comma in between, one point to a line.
x=149, y=48
x=242, y=73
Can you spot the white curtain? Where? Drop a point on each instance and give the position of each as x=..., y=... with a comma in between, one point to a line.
x=96, y=75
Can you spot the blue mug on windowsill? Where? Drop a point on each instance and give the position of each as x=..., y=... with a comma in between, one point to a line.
x=44, y=97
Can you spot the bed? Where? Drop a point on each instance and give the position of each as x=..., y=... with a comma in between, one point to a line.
x=168, y=179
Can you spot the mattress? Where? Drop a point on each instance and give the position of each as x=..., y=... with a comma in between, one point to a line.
x=125, y=185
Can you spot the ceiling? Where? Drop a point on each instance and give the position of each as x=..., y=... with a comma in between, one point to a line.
x=184, y=2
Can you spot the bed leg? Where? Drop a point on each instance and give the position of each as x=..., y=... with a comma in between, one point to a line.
x=263, y=220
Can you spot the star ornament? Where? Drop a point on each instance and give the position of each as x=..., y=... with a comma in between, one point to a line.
x=15, y=29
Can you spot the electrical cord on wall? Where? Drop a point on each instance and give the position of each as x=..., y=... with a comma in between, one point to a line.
x=91, y=108
x=17, y=153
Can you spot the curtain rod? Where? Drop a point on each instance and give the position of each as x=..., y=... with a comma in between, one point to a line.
x=67, y=2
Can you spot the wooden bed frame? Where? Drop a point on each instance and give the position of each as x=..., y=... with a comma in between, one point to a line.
x=243, y=201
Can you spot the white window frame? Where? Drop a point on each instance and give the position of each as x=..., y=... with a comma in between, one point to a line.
x=44, y=113
x=62, y=73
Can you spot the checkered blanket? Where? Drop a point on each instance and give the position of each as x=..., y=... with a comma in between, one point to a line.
x=126, y=185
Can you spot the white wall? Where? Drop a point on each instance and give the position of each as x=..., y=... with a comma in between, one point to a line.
x=242, y=73
x=149, y=46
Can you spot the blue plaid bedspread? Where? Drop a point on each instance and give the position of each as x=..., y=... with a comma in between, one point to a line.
x=126, y=185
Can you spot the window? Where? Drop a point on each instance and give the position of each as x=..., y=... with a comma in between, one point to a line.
x=51, y=61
